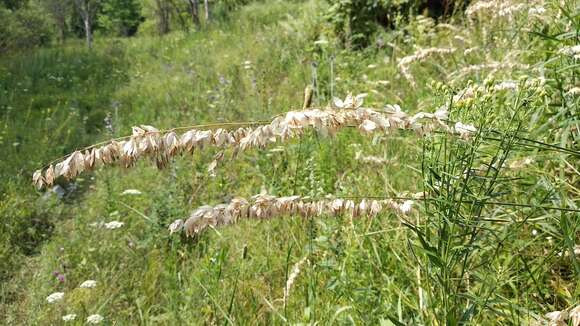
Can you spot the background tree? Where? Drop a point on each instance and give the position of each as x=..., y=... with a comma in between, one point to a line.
x=194, y=10
x=87, y=10
x=120, y=17
x=60, y=11
x=206, y=7
x=162, y=9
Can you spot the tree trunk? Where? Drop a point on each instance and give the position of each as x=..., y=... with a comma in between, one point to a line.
x=162, y=16
x=88, y=31
x=206, y=5
x=194, y=5
x=61, y=23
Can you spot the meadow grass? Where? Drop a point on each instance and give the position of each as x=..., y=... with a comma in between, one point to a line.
x=466, y=254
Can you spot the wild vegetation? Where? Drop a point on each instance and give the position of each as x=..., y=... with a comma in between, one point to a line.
x=428, y=175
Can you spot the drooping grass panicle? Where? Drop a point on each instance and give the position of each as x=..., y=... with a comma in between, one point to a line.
x=159, y=146
x=420, y=55
x=263, y=206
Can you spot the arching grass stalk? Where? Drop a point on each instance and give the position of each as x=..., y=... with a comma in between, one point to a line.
x=159, y=146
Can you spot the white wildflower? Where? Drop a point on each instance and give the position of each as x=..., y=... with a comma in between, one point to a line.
x=406, y=206
x=95, y=319
x=509, y=10
x=573, y=92
x=480, y=6
x=573, y=51
x=57, y=296
x=131, y=192
x=534, y=232
x=69, y=317
x=539, y=10
x=506, y=85
x=88, y=284
x=113, y=225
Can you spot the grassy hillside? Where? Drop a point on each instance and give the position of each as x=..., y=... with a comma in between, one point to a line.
x=496, y=242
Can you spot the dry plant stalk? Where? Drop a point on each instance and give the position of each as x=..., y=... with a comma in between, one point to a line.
x=420, y=55
x=159, y=146
x=293, y=276
x=267, y=207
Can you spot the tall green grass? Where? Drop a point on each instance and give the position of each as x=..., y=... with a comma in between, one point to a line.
x=459, y=259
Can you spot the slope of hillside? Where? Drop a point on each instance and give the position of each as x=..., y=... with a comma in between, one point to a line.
x=495, y=242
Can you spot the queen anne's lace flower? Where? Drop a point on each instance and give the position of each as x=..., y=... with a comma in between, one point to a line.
x=55, y=297
x=131, y=192
x=69, y=317
x=113, y=225
x=88, y=284
x=95, y=319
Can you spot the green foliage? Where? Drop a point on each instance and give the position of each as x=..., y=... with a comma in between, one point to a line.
x=120, y=17
x=26, y=27
x=356, y=21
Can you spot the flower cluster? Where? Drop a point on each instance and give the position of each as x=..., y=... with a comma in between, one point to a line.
x=149, y=142
x=501, y=8
x=264, y=206
x=55, y=297
x=572, y=51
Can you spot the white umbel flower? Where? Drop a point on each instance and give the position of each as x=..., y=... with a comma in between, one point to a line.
x=69, y=317
x=55, y=297
x=95, y=319
x=573, y=51
x=131, y=192
x=506, y=85
x=88, y=284
x=406, y=206
x=113, y=225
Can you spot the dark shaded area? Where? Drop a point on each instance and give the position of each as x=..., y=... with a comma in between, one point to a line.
x=356, y=21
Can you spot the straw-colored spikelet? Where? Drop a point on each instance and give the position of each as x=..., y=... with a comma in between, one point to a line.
x=292, y=277
x=420, y=55
x=148, y=142
x=264, y=206
x=499, y=8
